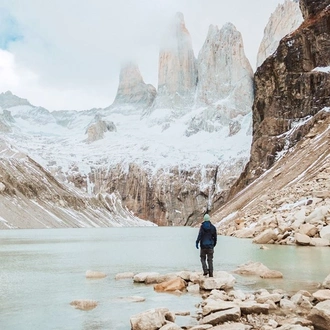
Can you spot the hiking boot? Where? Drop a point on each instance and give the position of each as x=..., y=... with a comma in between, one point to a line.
x=206, y=272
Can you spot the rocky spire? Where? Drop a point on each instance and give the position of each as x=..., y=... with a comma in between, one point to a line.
x=285, y=19
x=132, y=89
x=224, y=72
x=177, y=73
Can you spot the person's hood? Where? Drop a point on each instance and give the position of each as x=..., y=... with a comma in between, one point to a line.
x=206, y=225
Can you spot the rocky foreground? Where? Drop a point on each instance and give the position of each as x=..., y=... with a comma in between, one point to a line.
x=224, y=307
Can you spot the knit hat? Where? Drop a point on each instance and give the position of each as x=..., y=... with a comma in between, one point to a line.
x=207, y=217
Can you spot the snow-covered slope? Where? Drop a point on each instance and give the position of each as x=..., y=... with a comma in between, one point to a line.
x=31, y=198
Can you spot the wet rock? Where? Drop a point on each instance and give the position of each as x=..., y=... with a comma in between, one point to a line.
x=126, y=275
x=141, y=277
x=257, y=268
x=95, y=274
x=171, y=285
x=84, y=304
x=152, y=319
x=265, y=237
x=221, y=280
x=320, y=315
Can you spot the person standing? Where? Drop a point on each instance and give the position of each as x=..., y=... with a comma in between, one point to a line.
x=207, y=237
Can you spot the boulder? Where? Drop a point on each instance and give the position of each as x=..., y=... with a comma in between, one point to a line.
x=325, y=232
x=317, y=216
x=308, y=229
x=320, y=315
x=257, y=268
x=322, y=295
x=232, y=314
x=141, y=277
x=245, y=233
x=317, y=241
x=302, y=239
x=326, y=282
x=152, y=319
x=171, y=285
x=263, y=298
x=213, y=306
x=193, y=288
x=265, y=237
x=222, y=280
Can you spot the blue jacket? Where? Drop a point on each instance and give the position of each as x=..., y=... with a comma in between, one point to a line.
x=207, y=236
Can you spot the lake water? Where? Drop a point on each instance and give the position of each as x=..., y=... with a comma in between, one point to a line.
x=42, y=271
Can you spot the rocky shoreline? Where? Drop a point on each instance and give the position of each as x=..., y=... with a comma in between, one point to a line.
x=223, y=306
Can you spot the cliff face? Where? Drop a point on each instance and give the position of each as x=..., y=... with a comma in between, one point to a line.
x=311, y=8
x=224, y=72
x=290, y=86
x=286, y=18
x=177, y=73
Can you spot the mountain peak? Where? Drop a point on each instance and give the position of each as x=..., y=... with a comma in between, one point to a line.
x=132, y=90
x=8, y=100
x=177, y=72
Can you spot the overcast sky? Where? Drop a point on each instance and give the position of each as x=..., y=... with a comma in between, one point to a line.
x=66, y=54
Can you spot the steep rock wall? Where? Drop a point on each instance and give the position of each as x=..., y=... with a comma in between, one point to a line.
x=177, y=73
x=290, y=86
x=168, y=197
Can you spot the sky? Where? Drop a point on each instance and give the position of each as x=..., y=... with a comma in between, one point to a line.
x=66, y=54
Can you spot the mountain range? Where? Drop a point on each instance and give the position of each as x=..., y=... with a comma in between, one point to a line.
x=162, y=155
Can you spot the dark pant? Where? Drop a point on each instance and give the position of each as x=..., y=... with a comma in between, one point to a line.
x=207, y=267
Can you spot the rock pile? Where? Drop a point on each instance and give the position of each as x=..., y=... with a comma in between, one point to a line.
x=296, y=214
x=223, y=307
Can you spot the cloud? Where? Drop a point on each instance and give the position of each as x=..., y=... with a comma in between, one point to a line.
x=71, y=50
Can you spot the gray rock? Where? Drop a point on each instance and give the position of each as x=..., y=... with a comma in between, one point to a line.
x=232, y=314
